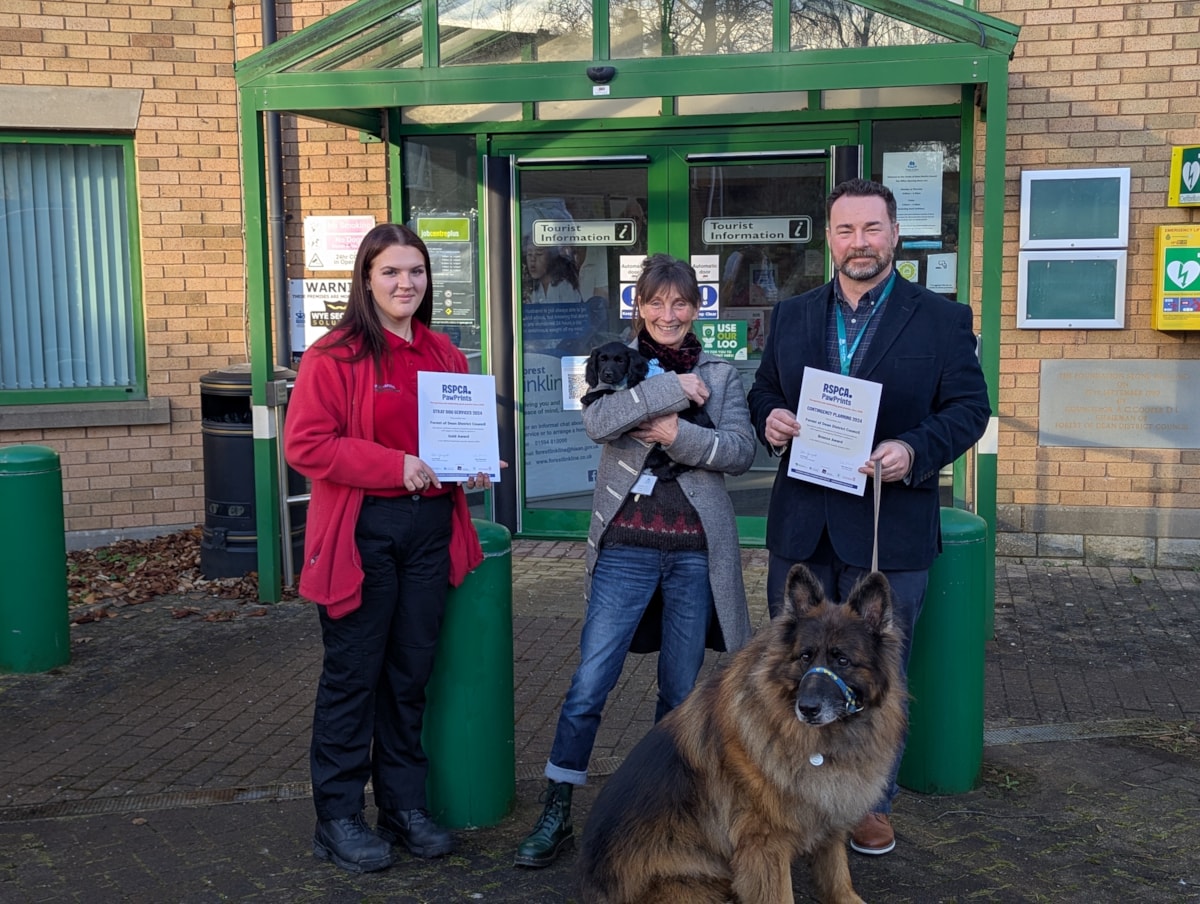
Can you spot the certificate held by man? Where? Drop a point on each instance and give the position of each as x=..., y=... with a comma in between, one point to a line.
x=837, y=417
x=457, y=430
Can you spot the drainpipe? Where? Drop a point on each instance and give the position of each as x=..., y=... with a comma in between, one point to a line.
x=275, y=220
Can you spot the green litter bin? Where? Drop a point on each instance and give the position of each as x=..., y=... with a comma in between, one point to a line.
x=469, y=713
x=35, y=632
x=945, y=673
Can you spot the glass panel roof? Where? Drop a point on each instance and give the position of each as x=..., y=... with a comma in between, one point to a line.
x=514, y=31
x=652, y=28
x=834, y=24
x=393, y=42
x=383, y=35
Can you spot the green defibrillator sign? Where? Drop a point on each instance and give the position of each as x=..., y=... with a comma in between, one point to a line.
x=1184, y=189
x=1176, y=278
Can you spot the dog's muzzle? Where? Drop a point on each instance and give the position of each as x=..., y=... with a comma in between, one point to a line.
x=852, y=702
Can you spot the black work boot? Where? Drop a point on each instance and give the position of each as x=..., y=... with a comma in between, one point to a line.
x=416, y=830
x=553, y=832
x=351, y=844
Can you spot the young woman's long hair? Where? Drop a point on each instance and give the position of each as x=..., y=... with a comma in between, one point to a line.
x=360, y=324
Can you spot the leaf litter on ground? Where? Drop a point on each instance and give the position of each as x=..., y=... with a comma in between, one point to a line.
x=130, y=572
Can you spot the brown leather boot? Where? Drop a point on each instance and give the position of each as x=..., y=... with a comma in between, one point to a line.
x=873, y=835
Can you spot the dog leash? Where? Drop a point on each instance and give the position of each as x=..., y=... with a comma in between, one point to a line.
x=878, y=492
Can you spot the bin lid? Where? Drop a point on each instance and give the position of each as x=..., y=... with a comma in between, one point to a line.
x=235, y=379
x=27, y=459
x=494, y=538
x=961, y=526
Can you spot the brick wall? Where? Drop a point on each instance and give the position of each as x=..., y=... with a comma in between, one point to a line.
x=133, y=480
x=179, y=53
x=1094, y=83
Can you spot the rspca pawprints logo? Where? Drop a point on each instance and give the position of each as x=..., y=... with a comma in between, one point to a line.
x=1182, y=271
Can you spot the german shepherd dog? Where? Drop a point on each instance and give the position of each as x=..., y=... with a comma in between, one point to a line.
x=614, y=366
x=778, y=754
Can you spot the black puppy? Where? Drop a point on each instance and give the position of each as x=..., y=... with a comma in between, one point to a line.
x=610, y=367
x=614, y=366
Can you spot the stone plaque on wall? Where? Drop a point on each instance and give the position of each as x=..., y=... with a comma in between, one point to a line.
x=1120, y=404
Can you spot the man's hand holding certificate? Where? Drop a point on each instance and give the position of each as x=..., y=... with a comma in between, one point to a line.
x=457, y=430
x=837, y=427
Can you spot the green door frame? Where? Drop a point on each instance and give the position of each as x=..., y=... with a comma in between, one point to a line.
x=976, y=56
x=667, y=229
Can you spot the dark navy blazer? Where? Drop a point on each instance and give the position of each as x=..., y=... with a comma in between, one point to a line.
x=934, y=398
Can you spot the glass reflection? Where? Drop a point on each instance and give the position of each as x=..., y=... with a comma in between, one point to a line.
x=472, y=32
x=392, y=43
x=654, y=28
x=834, y=24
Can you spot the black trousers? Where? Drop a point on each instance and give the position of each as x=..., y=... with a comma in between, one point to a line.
x=378, y=660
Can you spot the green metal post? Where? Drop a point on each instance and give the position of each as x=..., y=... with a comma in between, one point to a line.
x=945, y=674
x=469, y=714
x=34, y=624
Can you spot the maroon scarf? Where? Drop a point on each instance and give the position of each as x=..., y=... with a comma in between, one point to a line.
x=676, y=360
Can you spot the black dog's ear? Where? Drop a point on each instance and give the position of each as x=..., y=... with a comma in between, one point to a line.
x=591, y=373
x=638, y=367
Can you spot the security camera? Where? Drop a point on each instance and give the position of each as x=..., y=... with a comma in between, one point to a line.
x=602, y=75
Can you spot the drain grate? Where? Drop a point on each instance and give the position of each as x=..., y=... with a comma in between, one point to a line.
x=165, y=801
x=1076, y=731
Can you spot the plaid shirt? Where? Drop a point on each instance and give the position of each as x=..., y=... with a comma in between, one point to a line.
x=857, y=320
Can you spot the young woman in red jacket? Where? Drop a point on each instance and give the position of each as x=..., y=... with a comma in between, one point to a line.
x=385, y=539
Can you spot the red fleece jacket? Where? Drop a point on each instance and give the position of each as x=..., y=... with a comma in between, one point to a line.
x=329, y=437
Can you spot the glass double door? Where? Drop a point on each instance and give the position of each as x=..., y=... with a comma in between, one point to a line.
x=749, y=214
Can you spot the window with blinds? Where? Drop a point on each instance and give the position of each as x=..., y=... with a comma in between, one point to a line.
x=70, y=320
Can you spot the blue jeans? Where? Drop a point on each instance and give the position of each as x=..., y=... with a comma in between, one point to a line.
x=623, y=582
x=837, y=578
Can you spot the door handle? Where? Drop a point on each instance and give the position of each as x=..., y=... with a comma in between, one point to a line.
x=575, y=161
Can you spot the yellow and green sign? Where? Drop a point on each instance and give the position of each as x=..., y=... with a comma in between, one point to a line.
x=1176, y=278
x=444, y=229
x=1184, y=190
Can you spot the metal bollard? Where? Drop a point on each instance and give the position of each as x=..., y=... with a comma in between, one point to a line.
x=945, y=673
x=469, y=715
x=35, y=633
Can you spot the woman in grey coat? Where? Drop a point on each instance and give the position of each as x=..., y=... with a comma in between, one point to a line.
x=662, y=529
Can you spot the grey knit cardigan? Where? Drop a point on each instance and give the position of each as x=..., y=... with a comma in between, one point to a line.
x=713, y=452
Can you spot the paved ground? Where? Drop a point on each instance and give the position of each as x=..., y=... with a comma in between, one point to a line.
x=167, y=761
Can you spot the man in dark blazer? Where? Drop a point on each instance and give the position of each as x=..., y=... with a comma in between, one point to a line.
x=869, y=323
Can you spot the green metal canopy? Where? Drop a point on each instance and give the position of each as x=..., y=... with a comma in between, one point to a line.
x=358, y=67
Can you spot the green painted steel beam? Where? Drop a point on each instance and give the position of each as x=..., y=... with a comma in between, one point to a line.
x=995, y=143
x=949, y=20
x=901, y=67
x=262, y=361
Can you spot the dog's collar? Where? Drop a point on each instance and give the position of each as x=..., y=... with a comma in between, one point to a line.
x=852, y=704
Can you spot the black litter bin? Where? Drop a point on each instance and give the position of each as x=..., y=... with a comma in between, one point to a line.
x=229, y=544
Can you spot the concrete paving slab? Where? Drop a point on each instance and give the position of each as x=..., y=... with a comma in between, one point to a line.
x=168, y=761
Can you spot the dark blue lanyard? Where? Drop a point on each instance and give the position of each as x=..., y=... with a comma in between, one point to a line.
x=848, y=356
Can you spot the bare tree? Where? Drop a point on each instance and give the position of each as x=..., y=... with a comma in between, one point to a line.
x=831, y=24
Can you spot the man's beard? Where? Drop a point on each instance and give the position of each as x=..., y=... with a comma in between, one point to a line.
x=862, y=271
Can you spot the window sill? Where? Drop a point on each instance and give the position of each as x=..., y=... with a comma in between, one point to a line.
x=85, y=414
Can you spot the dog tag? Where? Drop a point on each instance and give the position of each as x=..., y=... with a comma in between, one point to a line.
x=816, y=759
x=645, y=484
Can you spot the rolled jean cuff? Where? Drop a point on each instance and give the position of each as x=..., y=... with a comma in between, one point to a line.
x=559, y=774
